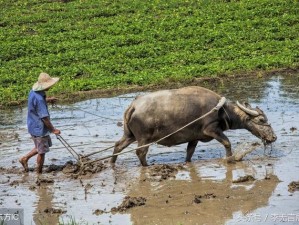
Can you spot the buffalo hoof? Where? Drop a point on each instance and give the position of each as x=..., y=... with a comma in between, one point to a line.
x=187, y=162
x=112, y=164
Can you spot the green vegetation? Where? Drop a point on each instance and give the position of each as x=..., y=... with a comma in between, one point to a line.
x=72, y=221
x=92, y=44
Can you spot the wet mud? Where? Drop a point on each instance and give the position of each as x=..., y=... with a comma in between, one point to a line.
x=129, y=202
x=163, y=172
x=54, y=211
x=293, y=186
x=244, y=179
x=262, y=188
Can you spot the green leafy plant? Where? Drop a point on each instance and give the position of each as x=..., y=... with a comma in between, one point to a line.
x=113, y=44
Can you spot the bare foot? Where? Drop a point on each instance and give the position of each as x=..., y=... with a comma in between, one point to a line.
x=24, y=163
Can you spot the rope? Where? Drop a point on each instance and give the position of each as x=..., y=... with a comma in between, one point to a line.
x=85, y=111
x=93, y=153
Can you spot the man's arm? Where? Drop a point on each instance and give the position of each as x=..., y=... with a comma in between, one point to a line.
x=49, y=125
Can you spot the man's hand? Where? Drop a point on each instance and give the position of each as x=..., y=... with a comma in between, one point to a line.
x=56, y=131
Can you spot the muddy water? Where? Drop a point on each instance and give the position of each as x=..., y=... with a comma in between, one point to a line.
x=207, y=191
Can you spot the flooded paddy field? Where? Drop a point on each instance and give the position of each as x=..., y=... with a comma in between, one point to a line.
x=261, y=189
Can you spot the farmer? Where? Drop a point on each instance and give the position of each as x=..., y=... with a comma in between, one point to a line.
x=38, y=121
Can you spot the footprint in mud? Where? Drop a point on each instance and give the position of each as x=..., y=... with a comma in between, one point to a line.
x=163, y=172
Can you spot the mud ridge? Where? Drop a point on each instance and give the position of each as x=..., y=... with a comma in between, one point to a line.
x=244, y=179
x=54, y=211
x=75, y=171
x=129, y=202
x=44, y=180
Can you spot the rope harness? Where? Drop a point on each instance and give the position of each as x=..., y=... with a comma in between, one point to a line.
x=81, y=158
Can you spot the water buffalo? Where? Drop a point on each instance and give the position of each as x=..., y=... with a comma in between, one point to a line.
x=157, y=114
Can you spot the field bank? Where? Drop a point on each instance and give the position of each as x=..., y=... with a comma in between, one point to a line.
x=115, y=45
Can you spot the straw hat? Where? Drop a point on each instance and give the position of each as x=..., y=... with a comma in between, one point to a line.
x=44, y=82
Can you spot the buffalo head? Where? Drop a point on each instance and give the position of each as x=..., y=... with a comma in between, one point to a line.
x=257, y=123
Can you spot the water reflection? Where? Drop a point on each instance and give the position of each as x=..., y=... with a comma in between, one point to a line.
x=45, y=197
x=173, y=200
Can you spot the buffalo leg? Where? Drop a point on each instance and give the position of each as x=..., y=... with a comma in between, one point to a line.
x=141, y=153
x=220, y=136
x=120, y=145
x=190, y=150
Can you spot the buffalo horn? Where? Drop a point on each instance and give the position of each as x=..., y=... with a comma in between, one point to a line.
x=249, y=111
